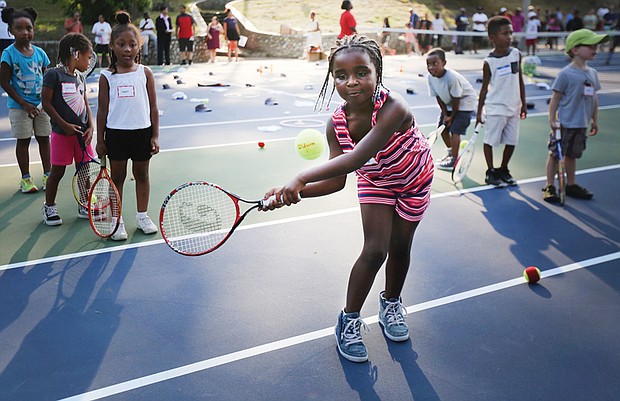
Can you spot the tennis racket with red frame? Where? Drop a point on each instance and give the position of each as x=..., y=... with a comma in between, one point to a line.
x=465, y=158
x=85, y=174
x=197, y=217
x=104, y=204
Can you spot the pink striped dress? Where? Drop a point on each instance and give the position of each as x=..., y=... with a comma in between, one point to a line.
x=400, y=174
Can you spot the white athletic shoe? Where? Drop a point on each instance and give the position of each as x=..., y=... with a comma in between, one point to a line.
x=120, y=234
x=146, y=225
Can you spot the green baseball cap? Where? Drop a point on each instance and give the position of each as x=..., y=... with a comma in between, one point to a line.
x=584, y=37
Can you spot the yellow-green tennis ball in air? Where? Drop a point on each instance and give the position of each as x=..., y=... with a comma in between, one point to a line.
x=464, y=143
x=310, y=144
x=93, y=199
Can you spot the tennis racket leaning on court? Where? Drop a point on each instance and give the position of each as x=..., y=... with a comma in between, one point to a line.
x=85, y=174
x=198, y=217
x=431, y=138
x=104, y=204
x=561, y=168
x=463, y=161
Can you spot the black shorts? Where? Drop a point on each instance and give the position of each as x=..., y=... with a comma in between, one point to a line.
x=102, y=50
x=185, y=44
x=129, y=144
x=476, y=39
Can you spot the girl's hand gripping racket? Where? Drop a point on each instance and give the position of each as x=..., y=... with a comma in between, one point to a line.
x=104, y=204
x=465, y=157
x=198, y=217
x=561, y=168
x=431, y=138
x=85, y=174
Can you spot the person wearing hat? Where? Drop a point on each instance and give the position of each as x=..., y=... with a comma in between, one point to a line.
x=573, y=107
x=6, y=37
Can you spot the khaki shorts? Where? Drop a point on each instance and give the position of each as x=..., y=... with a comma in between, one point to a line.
x=23, y=126
x=501, y=130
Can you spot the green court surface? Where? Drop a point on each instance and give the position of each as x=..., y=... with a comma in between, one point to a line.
x=248, y=171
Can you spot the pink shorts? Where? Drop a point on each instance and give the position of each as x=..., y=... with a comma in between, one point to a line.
x=66, y=148
x=410, y=205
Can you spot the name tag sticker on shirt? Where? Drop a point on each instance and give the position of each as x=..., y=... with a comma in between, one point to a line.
x=68, y=88
x=588, y=90
x=504, y=70
x=126, y=91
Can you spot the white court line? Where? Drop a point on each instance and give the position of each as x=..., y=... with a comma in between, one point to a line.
x=318, y=334
x=457, y=192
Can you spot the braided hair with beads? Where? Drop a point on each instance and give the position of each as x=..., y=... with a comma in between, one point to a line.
x=355, y=43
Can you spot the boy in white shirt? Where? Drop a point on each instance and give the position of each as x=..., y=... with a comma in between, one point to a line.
x=457, y=100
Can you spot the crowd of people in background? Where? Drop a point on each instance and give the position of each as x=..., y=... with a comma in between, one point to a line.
x=530, y=22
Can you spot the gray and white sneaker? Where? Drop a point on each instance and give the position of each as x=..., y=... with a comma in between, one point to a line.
x=349, y=337
x=392, y=318
x=50, y=215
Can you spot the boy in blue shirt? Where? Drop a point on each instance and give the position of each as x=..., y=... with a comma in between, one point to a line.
x=573, y=106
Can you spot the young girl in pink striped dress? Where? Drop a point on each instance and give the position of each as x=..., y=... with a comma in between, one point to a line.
x=374, y=134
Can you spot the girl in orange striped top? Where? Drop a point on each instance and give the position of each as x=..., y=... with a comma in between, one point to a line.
x=374, y=134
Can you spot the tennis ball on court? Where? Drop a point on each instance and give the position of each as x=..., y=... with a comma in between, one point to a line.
x=310, y=144
x=531, y=274
x=464, y=143
x=261, y=145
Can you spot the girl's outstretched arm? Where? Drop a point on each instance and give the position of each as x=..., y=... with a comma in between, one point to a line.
x=393, y=116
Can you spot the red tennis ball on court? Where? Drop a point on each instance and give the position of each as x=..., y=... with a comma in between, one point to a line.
x=531, y=274
x=261, y=145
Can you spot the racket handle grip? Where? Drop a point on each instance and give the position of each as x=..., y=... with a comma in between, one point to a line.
x=558, y=133
x=265, y=203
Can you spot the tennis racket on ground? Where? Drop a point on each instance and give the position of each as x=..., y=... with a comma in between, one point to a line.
x=431, y=138
x=198, y=217
x=465, y=157
x=561, y=168
x=85, y=174
x=104, y=204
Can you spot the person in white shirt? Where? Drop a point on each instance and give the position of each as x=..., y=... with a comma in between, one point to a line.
x=147, y=30
x=438, y=24
x=479, y=20
x=531, y=32
x=102, y=31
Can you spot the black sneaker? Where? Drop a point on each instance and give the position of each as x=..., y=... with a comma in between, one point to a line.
x=579, y=192
x=505, y=176
x=492, y=177
x=550, y=195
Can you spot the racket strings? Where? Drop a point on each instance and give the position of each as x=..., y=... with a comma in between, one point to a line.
x=85, y=178
x=104, y=207
x=198, y=218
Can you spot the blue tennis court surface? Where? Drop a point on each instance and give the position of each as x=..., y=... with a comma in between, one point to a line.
x=83, y=318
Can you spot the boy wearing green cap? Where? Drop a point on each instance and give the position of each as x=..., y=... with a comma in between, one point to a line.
x=573, y=107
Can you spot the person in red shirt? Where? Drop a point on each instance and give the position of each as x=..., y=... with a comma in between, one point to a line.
x=74, y=24
x=347, y=21
x=185, y=35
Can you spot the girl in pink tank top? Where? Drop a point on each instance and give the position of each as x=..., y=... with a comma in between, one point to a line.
x=373, y=134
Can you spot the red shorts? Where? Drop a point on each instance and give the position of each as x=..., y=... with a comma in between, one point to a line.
x=66, y=148
x=530, y=42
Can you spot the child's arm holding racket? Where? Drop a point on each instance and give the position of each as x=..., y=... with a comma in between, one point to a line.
x=486, y=78
x=393, y=115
